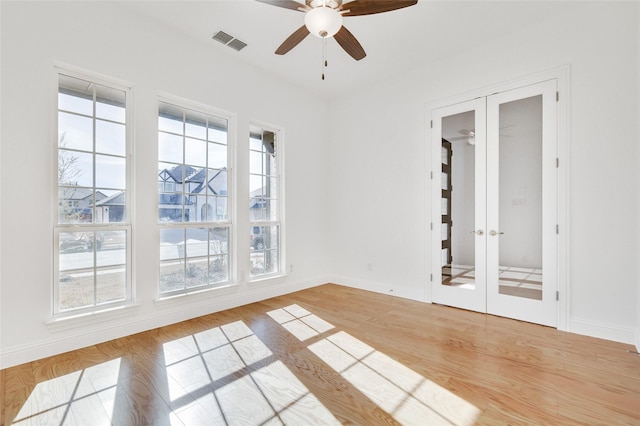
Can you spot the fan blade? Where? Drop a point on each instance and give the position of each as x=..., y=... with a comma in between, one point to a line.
x=287, y=4
x=293, y=40
x=460, y=138
x=349, y=43
x=369, y=7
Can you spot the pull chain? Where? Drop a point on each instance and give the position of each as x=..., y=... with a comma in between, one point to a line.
x=324, y=48
x=324, y=56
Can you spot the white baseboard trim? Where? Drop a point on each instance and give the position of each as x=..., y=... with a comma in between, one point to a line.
x=80, y=337
x=417, y=294
x=602, y=330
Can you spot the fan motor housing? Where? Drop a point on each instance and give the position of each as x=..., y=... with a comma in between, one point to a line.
x=333, y=4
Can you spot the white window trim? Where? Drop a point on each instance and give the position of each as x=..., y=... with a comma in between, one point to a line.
x=56, y=315
x=230, y=223
x=280, y=164
x=79, y=320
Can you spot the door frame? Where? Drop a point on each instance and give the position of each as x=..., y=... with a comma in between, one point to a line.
x=562, y=76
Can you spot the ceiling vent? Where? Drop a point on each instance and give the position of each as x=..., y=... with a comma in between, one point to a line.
x=229, y=40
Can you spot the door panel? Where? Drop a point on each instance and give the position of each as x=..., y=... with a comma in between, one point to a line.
x=522, y=203
x=459, y=240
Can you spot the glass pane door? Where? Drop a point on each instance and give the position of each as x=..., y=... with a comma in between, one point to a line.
x=521, y=203
x=458, y=200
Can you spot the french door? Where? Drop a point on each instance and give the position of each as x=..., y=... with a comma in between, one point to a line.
x=494, y=204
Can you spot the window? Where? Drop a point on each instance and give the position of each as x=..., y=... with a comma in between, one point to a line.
x=193, y=198
x=265, y=208
x=93, y=227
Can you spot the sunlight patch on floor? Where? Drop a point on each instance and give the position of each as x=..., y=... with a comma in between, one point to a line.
x=300, y=322
x=404, y=394
x=81, y=397
x=407, y=396
x=227, y=375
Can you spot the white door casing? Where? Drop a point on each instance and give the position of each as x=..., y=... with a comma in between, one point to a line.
x=484, y=283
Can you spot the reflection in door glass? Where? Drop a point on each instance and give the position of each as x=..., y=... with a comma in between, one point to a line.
x=458, y=200
x=520, y=198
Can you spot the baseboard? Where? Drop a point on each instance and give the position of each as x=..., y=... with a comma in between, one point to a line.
x=602, y=330
x=80, y=337
x=417, y=294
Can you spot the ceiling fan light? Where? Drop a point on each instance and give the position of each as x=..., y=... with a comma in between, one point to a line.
x=323, y=22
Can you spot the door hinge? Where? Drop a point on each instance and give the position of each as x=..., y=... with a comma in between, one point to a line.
x=431, y=226
x=557, y=96
x=557, y=229
x=431, y=277
x=557, y=162
x=557, y=295
x=432, y=175
x=432, y=124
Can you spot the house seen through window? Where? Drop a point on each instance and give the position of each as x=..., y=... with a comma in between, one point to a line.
x=193, y=199
x=93, y=228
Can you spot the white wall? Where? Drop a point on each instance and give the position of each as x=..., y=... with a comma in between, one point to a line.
x=378, y=160
x=104, y=38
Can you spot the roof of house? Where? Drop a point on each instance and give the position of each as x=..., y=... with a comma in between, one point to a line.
x=117, y=199
x=201, y=176
x=176, y=173
x=78, y=193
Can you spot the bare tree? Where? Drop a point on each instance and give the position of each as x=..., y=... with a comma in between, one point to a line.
x=68, y=170
x=68, y=174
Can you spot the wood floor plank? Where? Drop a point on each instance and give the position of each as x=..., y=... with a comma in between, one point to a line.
x=3, y=409
x=332, y=354
x=18, y=383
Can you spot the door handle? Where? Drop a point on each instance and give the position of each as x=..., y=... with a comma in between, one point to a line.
x=493, y=233
x=479, y=232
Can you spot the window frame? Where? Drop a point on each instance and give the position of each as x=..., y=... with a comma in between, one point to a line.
x=93, y=227
x=279, y=139
x=228, y=222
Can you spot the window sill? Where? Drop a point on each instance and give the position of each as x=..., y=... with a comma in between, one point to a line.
x=268, y=279
x=194, y=296
x=84, y=319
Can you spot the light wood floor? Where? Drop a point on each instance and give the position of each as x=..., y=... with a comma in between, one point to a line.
x=332, y=355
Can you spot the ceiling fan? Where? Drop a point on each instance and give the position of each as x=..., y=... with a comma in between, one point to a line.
x=323, y=18
x=469, y=135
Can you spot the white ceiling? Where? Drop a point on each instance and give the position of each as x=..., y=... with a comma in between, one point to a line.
x=394, y=41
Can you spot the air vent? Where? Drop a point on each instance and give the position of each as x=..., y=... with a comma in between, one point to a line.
x=229, y=40
x=237, y=44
